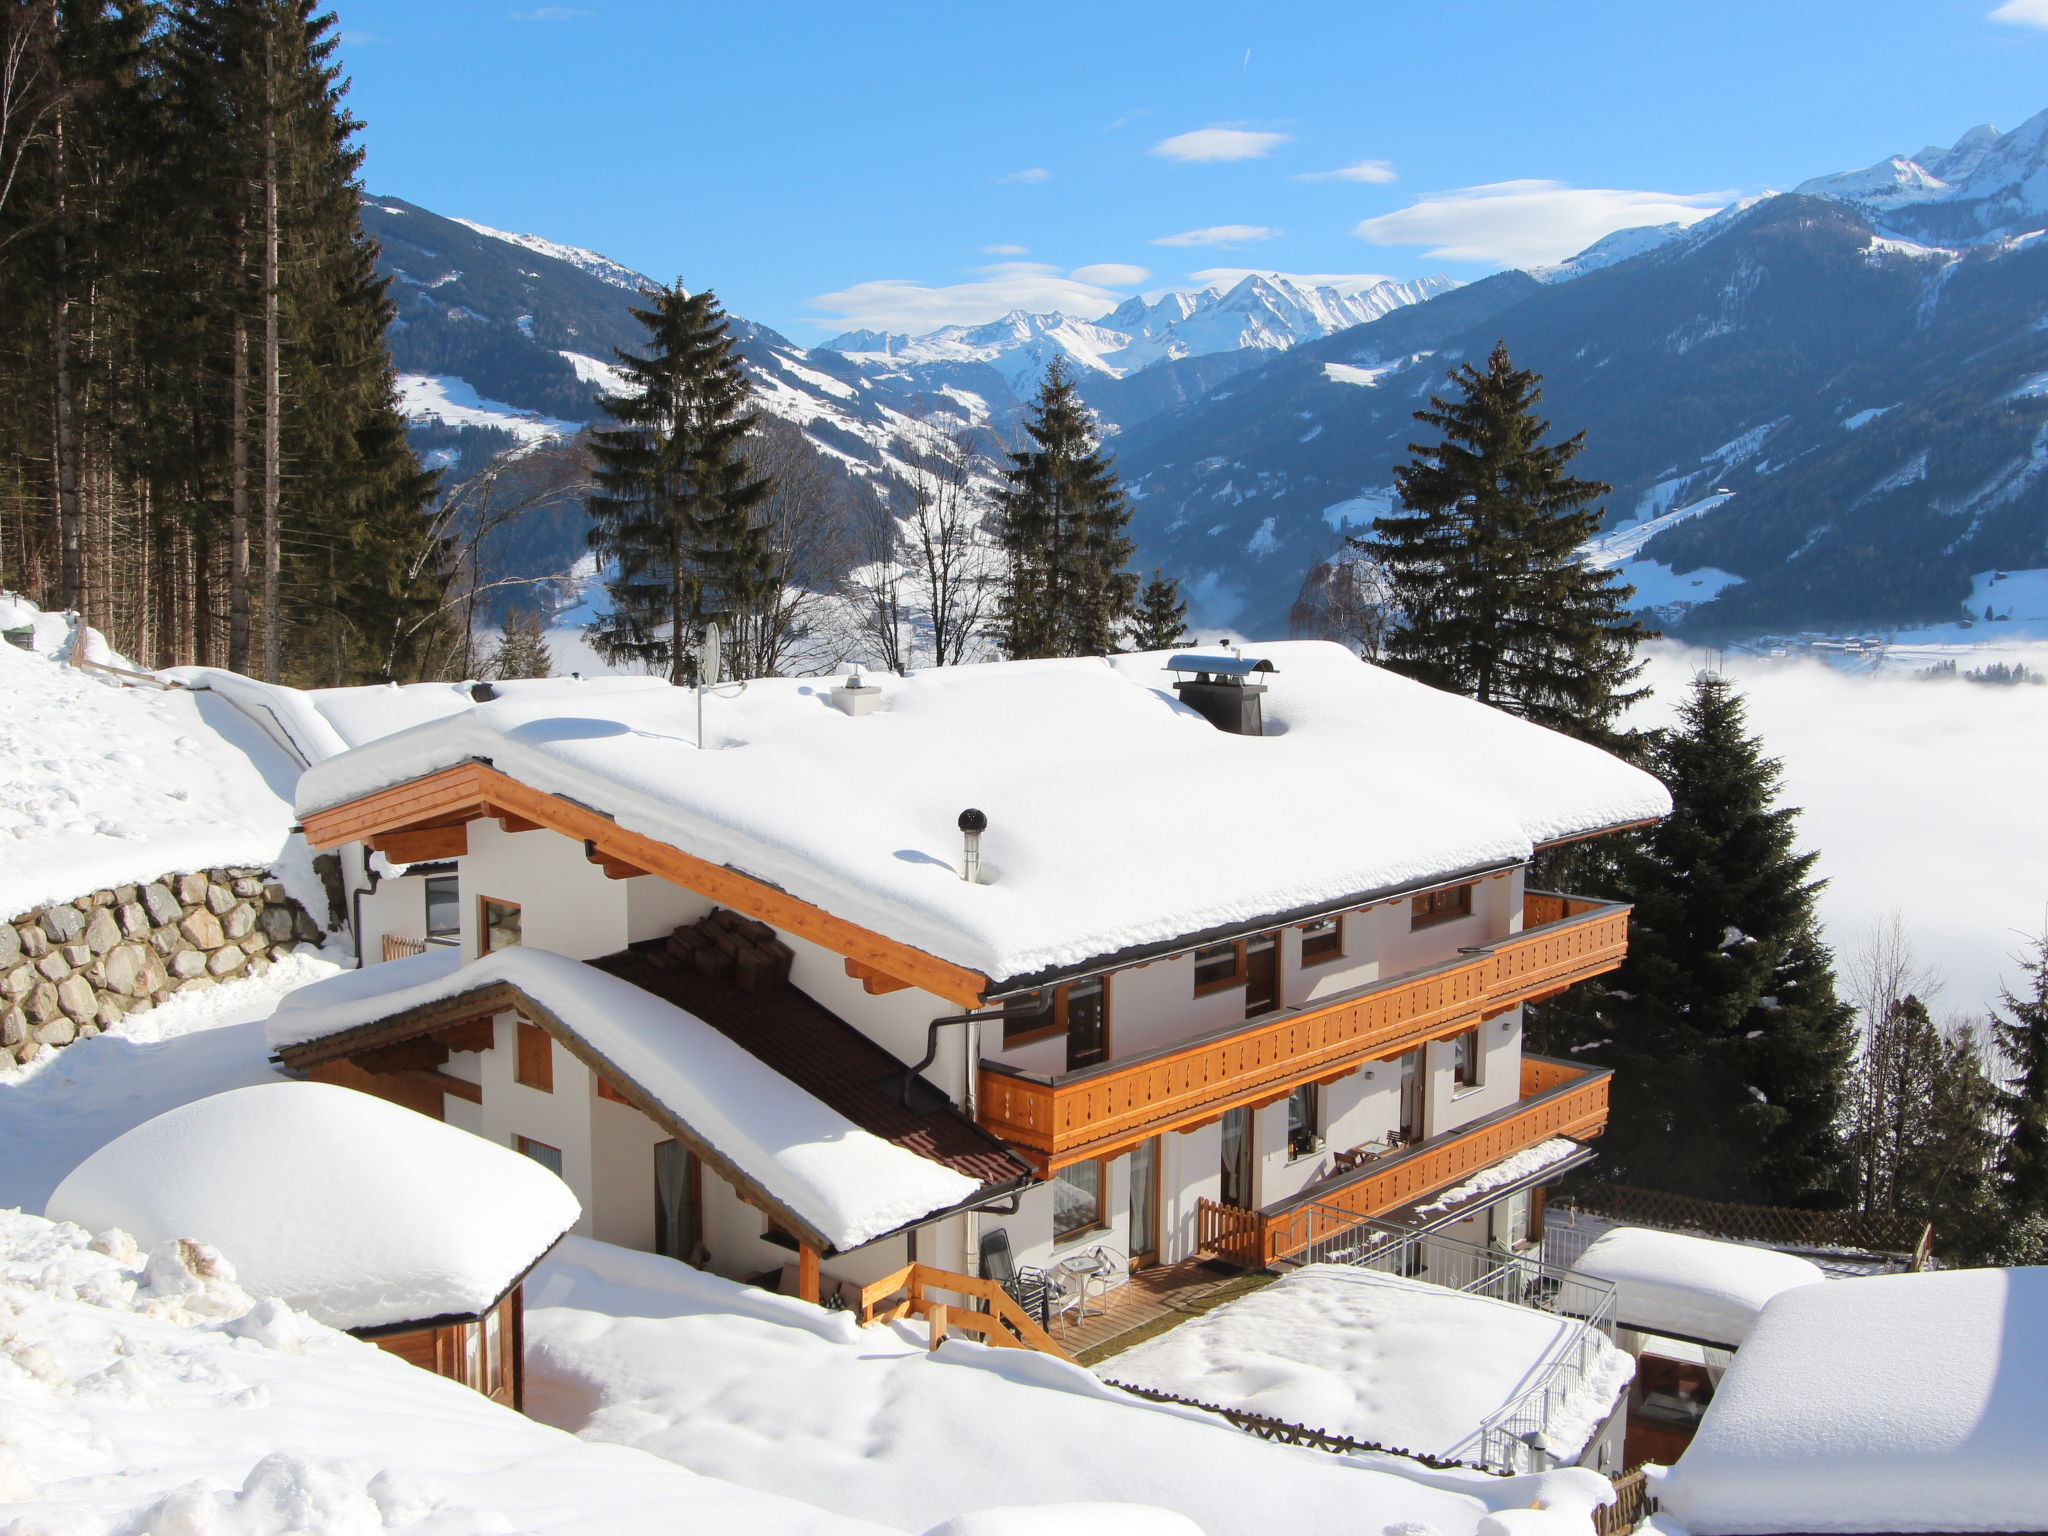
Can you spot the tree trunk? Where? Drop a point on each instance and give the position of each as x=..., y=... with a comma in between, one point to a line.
x=273, y=627
x=70, y=519
x=238, y=498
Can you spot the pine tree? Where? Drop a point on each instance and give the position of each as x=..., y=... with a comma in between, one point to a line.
x=2020, y=1030
x=674, y=518
x=522, y=650
x=1160, y=621
x=1727, y=1039
x=1491, y=597
x=1061, y=529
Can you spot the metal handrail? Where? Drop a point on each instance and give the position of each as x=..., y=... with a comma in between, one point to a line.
x=1509, y=1439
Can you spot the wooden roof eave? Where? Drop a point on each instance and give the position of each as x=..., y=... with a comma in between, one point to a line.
x=474, y=788
x=498, y=996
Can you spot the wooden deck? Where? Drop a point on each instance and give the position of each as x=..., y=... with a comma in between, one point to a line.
x=1149, y=1303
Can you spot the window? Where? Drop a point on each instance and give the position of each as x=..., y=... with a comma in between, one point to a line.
x=533, y=1061
x=1076, y=1200
x=1453, y=901
x=1322, y=941
x=1218, y=966
x=498, y=923
x=1465, y=1060
x=1305, y=1121
x=678, y=1190
x=444, y=910
x=548, y=1157
x=1034, y=1016
x=1236, y=1135
x=1079, y=1011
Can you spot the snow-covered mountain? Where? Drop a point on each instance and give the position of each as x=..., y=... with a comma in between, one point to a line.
x=1261, y=310
x=1986, y=186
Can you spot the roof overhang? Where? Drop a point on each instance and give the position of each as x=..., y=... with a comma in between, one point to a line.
x=497, y=997
x=437, y=807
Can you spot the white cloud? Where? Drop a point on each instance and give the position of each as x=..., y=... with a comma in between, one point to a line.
x=2022, y=13
x=1036, y=173
x=1004, y=250
x=1344, y=282
x=892, y=304
x=1378, y=171
x=1221, y=235
x=1220, y=143
x=1528, y=223
x=1111, y=274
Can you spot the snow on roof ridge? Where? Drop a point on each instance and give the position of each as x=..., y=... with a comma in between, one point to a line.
x=850, y=1184
x=356, y=1211
x=1365, y=782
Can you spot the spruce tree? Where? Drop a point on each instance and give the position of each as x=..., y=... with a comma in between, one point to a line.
x=1491, y=597
x=2019, y=1029
x=1061, y=529
x=1728, y=1042
x=1160, y=621
x=674, y=517
x=522, y=650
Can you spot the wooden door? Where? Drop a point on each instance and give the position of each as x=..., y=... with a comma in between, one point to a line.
x=1262, y=975
x=1145, y=1203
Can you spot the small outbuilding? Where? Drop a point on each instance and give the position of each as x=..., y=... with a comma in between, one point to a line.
x=1888, y=1404
x=359, y=1213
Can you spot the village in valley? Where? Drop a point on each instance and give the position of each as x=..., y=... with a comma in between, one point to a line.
x=610, y=923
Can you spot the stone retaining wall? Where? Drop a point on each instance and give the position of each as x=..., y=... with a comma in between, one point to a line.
x=70, y=969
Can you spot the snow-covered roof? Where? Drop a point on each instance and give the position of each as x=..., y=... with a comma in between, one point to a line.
x=1889, y=1403
x=1375, y=1357
x=1110, y=804
x=351, y=1209
x=845, y=1182
x=1691, y=1287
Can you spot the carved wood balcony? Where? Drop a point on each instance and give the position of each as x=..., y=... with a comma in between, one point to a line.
x=1102, y=1110
x=1559, y=1098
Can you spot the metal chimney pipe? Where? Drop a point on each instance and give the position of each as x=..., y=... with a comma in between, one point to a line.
x=972, y=824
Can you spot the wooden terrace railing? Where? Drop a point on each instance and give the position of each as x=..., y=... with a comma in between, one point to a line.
x=1558, y=1099
x=1099, y=1111
x=918, y=1290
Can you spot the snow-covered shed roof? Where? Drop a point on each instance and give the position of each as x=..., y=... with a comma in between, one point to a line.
x=1118, y=818
x=348, y=1208
x=1693, y=1288
x=838, y=1179
x=1893, y=1403
x=1375, y=1357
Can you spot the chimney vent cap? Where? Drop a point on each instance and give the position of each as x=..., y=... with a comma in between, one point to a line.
x=1220, y=666
x=972, y=820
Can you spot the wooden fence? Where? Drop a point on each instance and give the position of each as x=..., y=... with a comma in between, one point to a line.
x=1631, y=1507
x=1776, y=1225
x=918, y=1290
x=396, y=948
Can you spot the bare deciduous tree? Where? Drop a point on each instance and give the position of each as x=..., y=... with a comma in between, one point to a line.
x=807, y=521
x=1346, y=598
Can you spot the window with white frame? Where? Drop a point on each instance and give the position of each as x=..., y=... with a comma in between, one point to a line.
x=1466, y=1061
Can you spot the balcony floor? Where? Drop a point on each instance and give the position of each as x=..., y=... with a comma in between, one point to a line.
x=1150, y=1302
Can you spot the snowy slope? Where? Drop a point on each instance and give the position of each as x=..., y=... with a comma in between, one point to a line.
x=145, y=1393
x=1985, y=187
x=103, y=784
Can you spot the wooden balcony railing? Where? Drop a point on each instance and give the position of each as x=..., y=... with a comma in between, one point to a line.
x=1101, y=1110
x=1558, y=1099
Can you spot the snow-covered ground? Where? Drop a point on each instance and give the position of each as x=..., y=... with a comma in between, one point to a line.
x=452, y=402
x=1370, y=1356
x=144, y=1393
x=102, y=784
x=772, y=1394
x=1658, y=585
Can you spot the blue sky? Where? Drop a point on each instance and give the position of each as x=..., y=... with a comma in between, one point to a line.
x=910, y=163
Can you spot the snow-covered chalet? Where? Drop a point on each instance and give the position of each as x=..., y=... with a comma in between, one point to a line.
x=1070, y=966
